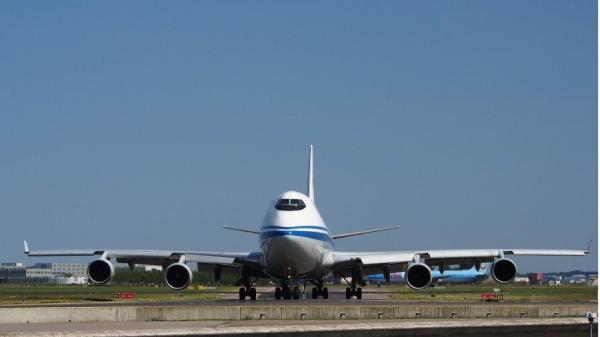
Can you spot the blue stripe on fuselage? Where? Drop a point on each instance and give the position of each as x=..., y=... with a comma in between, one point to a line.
x=295, y=227
x=293, y=232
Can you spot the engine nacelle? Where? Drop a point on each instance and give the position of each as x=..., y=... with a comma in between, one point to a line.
x=504, y=270
x=100, y=271
x=178, y=276
x=418, y=276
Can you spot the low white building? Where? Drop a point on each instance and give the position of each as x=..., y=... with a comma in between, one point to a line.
x=56, y=270
x=524, y=280
x=70, y=269
x=152, y=268
x=39, y=273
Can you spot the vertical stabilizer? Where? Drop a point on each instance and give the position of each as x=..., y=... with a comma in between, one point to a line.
x=311, y=177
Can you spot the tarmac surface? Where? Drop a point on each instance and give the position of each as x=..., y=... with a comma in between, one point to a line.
x=266, y=297
x=280, y=303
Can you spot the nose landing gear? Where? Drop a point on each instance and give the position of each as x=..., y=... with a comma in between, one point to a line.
x=289, y=279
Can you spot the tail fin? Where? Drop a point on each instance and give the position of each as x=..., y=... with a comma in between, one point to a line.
x=311, y=177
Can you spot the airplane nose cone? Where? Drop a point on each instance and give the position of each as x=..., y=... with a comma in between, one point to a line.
x=288, y=252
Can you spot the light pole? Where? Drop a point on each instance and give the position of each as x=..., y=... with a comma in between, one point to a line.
x=591, y=316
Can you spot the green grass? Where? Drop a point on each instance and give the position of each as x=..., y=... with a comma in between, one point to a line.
x=17, y=294
x=511, y=293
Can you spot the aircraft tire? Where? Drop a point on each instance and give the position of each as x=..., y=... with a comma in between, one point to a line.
x=315, y=293
x=325, y=293
x=252, y=294
x=348, y=293
x=358, y=293
x=242, y=293
x=277, y=293
x=286, y=293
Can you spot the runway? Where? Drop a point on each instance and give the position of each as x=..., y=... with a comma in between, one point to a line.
x=285, y=303
x=371, y=296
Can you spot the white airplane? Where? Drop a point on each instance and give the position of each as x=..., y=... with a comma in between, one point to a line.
x=296, y=245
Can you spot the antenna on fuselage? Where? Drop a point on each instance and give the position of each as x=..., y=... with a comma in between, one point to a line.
x=311, y=177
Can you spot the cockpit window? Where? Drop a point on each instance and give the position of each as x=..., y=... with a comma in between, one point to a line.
x=289, y=204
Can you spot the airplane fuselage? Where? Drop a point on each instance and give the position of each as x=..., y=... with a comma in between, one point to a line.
x=294, y=239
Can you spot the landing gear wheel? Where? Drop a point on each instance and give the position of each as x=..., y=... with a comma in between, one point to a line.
x=242, y=294
x=325, y=293
x=277, y=293
x=358, y=293
x=285, y=292
x=252, y=294
x=315, y=293
x=296, y=293
x=348, y=293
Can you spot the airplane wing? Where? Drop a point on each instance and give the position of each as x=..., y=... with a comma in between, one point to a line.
x=249, y=260
x=346, y=264
x=346, y=235
x=242, y=230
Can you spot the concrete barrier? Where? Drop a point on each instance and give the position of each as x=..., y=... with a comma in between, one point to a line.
x=355, y=311
x=534, y=327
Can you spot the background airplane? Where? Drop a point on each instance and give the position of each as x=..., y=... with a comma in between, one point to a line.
x=471, y=275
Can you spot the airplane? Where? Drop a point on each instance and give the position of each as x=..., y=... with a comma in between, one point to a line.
x=296, y=245
x=471, y=275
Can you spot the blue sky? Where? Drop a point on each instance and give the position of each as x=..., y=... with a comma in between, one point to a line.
x=149, y=124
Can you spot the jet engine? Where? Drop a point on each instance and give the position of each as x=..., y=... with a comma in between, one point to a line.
x=504, y=270
x=178, y=276
x=101, y=271
x=418, y=276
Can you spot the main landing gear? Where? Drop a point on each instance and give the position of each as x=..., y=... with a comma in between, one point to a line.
x=356, y=280
x=320, y=291
x=287, y=293
x=250, y=292
x=353, y=292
